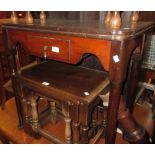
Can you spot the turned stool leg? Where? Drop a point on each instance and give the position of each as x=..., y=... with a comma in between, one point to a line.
x=94, y=124
x=27, y=118
x=104, y=117
x=25, y=115
x=68, y=129
x=105, y=100
x=84, y=134
x=68, y=132
x=29, y=110
x=76, y=132
x=53, y=112
x=35, y=124
x=94, y=120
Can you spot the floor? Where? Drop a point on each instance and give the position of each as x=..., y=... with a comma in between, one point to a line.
x=9, y=122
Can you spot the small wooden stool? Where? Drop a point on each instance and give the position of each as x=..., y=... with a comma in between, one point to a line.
x=76, y=88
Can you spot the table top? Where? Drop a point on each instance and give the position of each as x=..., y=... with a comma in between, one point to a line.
x=89, y=28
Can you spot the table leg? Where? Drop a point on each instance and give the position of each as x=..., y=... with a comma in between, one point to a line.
x=85, y=118
x=13, y=69
x=18, y=103
x=68, y=130
x=114, y=100
x=119, y=60
x=74, y=114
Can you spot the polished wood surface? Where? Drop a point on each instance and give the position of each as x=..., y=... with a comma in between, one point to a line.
x=88, y=29
x=73, y=51
x=67, y=80
x=87, y=37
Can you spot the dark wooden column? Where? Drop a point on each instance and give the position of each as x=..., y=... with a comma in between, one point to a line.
x=120, y=54
x=14, y=66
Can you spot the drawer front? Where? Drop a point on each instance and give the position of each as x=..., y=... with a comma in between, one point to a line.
x=51, y=48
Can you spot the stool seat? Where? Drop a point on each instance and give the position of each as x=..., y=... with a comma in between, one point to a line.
x=66, y=82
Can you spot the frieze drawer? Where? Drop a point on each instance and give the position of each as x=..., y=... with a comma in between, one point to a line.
x=48, y=47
